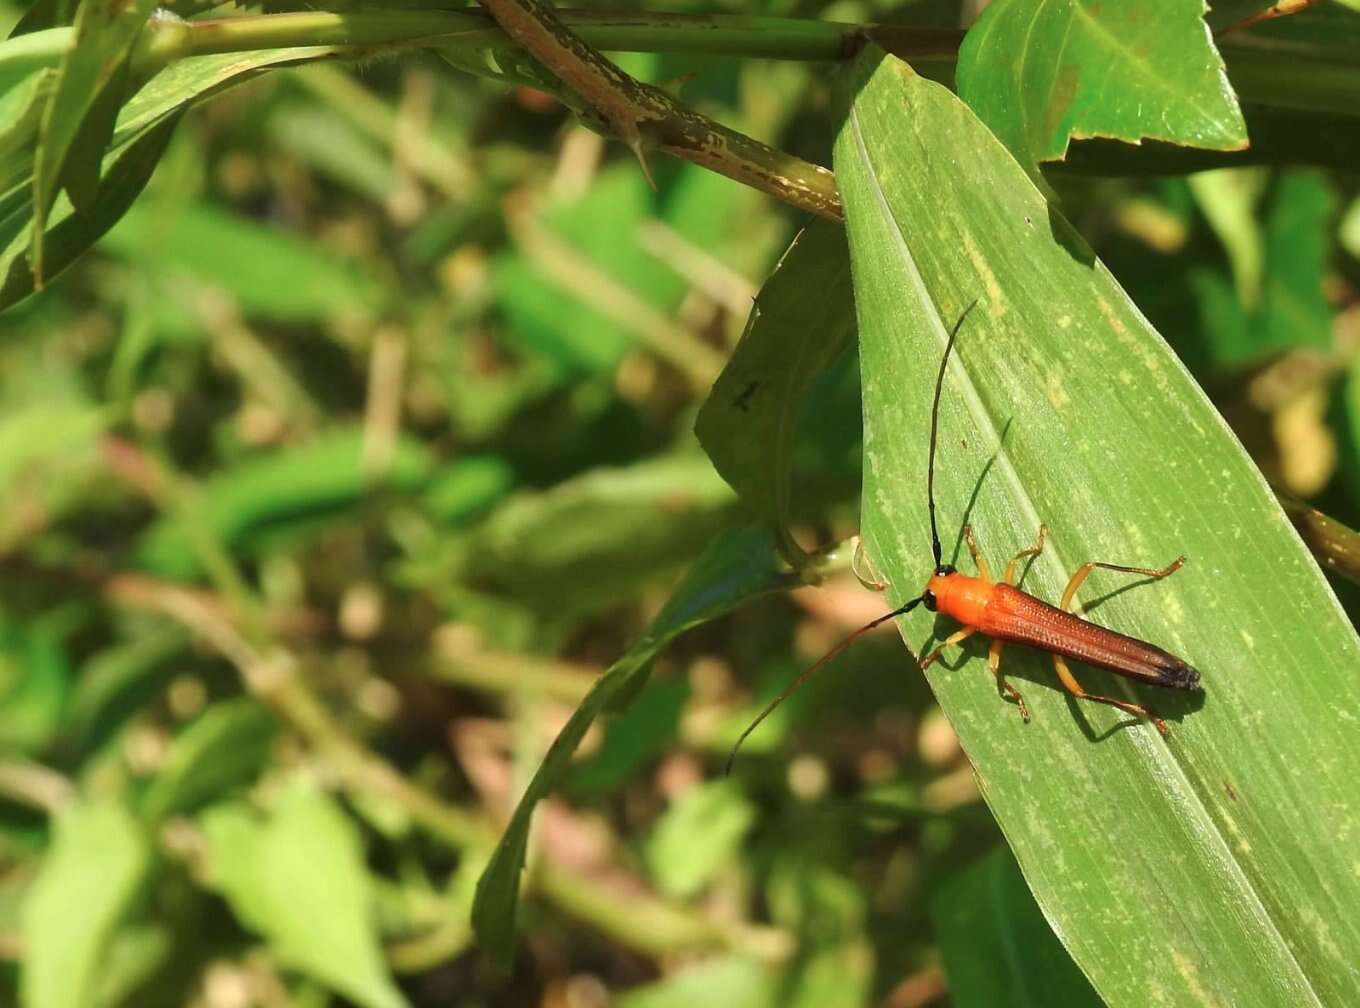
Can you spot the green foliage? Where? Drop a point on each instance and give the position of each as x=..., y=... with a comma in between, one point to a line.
x=997, y=947
x=87, y=879
x=735, y=569
x=801, y=322
x=350, y=381
x=299, y=879
x=1042, y=72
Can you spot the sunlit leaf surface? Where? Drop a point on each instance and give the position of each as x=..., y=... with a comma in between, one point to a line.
x=1043, y=72
x=1212, y=866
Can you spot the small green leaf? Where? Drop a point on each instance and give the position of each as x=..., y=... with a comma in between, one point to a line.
x=47, y=432
x=1349, y=230
x=1227, y=198
x=225, y=747
x=697, y=836
x=299, y=879
x=81, y=892
x=35, y=679
x=468, y=487
x=80, y=113
x=803, y=319
x=827, y=909
x=114, y=683
x=1294, y=309
x=1194, y=866
x=996, y=945
x=736, y=568
x=70, y=233
x=1043, y=72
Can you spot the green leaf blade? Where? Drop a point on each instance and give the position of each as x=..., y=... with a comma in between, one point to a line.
x=1043, y=72
x=738, y=566
x=228, y=745
x=997, y=947
x=1178, y=871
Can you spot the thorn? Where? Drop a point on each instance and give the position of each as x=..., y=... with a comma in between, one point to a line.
x=640, y=152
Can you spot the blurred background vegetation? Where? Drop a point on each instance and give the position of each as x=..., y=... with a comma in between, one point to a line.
x=384, y=394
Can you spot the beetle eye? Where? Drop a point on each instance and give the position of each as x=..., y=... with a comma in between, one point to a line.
x=928, y=600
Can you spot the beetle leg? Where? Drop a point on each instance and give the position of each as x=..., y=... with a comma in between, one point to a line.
x=1086, y=569
x=954, y=638
x=1070, y=683
x=979, y=561
x=1035, y=550
x=1003, y=687
x=1065, y=675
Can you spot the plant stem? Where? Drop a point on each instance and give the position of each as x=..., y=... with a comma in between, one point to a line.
x=644, y=116
x=714, y=34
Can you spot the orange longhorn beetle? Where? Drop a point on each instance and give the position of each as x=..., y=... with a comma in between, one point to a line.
x=1008, y=614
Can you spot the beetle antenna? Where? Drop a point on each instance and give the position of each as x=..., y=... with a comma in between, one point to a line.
x=934, y=429
x=808, y=673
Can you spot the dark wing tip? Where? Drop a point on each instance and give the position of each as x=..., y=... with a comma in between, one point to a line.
x=1180, y=675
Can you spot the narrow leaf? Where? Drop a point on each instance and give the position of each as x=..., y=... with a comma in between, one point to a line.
x=223, y=748
x=1042, y=72
x=1190, y=870
x=736, y=568
x=243, y=259
x=802, y=320
x=70, y=233
x=85, y=884
x=82, y=108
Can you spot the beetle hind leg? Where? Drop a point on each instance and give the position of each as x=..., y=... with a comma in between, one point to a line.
x=1085, y=569
x=1070, y=683
x=1065, y=675
x=1002, y=687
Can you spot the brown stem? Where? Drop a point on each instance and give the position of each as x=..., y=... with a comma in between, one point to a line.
x=644, y=116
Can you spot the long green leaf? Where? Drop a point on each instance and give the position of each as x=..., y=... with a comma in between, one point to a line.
x=737, y=567
x=272, y=492
x=244, y=259
x=1216, y=866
